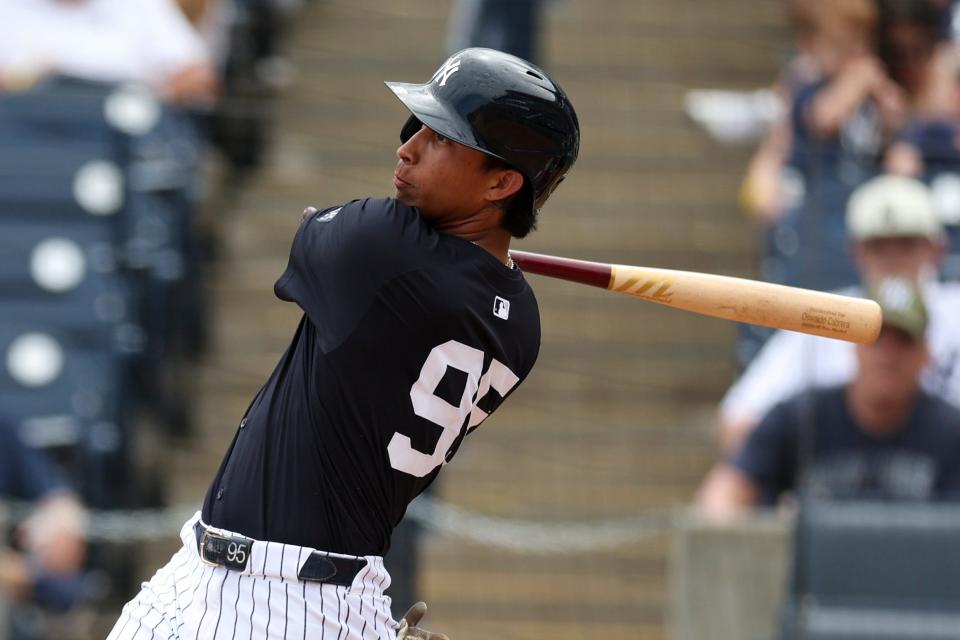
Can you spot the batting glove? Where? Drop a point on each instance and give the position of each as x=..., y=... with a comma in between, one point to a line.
x=408, y=625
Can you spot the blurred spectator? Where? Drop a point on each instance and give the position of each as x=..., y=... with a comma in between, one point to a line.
x=840, y=125
x=248, y=29
x=895, y=232
x=879, y=76
x=762, y=192
x=875, y=63
x=246, y=37
x=42, y=565
x=814, y=25
x=854, y=102
x=147, y=41
x=908, y=47
x=738, y=117
x=910, y=35
x=880, y=437
x=926, y=147
x=928, y=69
x=213, y=20
x=507, y=25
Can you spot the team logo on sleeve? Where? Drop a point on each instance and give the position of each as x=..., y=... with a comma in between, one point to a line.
x=501, y=308
x=330, y=215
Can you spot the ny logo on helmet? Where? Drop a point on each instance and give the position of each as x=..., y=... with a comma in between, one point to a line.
x=449, y=68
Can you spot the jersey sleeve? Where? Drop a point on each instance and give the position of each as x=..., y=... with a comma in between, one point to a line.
x=342, y=256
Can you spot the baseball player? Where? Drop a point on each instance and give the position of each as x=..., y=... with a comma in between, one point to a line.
x=417, y=325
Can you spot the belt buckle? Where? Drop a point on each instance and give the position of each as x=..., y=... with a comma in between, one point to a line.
x=203, y=549
x=220, y=550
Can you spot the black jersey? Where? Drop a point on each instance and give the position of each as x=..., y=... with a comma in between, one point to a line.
x=409, y=339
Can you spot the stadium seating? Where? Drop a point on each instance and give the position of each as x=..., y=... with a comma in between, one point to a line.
x=875, y=571
x=98, y=187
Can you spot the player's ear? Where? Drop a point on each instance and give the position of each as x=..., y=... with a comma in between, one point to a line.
x=508, y=182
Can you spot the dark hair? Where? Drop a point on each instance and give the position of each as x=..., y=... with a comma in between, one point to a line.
x=519, y=218
x=922, y=14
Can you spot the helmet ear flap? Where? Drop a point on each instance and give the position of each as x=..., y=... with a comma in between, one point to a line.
x=411, y=126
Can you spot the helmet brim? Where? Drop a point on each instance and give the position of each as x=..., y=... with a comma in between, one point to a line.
x=422, y=103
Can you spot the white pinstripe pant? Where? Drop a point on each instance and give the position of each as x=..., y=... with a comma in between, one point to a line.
x=189, y=600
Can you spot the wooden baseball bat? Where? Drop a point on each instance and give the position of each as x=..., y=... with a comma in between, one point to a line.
x=738, y=299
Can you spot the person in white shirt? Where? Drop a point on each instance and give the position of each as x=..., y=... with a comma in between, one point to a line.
x=895, y=232
x=144, y=41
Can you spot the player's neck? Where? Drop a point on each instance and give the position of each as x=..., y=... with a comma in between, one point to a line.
x=482, y=230
x=498, y=246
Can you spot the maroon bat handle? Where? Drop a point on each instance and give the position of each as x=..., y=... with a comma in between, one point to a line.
x=593, y=273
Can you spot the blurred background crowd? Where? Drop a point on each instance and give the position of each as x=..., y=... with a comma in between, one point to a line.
x=124, y=129
x=659, y=475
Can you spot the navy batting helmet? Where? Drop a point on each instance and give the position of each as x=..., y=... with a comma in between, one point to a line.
x=503, y=106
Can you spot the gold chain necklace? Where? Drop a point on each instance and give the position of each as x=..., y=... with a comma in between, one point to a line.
x=509, y=264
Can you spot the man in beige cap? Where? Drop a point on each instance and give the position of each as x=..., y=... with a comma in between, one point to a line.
x=878, y=436
x=895, y=232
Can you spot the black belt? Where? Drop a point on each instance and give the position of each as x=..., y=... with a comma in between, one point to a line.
x=233, y=552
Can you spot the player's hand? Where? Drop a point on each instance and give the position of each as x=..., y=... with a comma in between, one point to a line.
x=408, y=625
x=194, y=84
x=309, y=211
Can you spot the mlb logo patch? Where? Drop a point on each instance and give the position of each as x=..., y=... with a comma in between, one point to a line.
x=501, y=308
